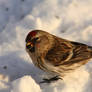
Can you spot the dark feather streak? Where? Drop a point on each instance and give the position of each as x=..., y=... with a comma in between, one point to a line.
x=61, y=50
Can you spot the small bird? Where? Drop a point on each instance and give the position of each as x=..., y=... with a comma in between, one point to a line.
x=56, y=55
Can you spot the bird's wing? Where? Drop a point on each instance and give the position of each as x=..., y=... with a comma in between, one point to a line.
x=81, y=53
x=65, y=52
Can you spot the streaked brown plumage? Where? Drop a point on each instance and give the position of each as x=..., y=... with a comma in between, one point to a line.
x=56, y=55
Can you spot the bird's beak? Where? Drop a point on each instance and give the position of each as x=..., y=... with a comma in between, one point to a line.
x=29, y=45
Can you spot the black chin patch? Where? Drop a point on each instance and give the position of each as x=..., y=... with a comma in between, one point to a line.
x=32, y=49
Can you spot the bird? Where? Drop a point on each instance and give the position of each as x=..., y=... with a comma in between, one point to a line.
x=55, y=55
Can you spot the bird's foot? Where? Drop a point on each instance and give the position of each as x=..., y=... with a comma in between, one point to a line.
x=51, y=79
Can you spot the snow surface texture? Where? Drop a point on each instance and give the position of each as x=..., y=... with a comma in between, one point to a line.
x=70, y=19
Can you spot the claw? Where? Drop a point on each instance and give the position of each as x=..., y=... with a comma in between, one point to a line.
x=51, y=79
x=45, y=81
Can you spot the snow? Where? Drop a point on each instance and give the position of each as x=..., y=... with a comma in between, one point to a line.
x=70, y=19
x=23, y=85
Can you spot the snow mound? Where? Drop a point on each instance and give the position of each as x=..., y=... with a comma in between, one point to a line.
x=25, y=84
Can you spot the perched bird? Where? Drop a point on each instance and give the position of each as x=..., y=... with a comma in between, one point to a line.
x=56, y=55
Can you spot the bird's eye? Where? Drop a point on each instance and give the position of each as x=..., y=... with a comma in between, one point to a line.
x=38, y=39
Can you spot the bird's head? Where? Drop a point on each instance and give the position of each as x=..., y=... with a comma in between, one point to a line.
x=38, y=39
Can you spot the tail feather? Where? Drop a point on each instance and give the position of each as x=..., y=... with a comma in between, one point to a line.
x=90, y=47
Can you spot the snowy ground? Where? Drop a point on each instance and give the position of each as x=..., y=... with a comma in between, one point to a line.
x=70, y=19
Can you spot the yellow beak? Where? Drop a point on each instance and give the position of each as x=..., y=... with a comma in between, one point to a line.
x=29, y=44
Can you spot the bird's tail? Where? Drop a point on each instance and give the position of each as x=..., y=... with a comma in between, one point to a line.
x=90, y=47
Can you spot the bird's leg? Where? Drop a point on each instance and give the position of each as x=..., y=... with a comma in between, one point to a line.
x=51, y=79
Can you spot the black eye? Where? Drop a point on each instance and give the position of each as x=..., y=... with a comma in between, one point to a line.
x=37, y=39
